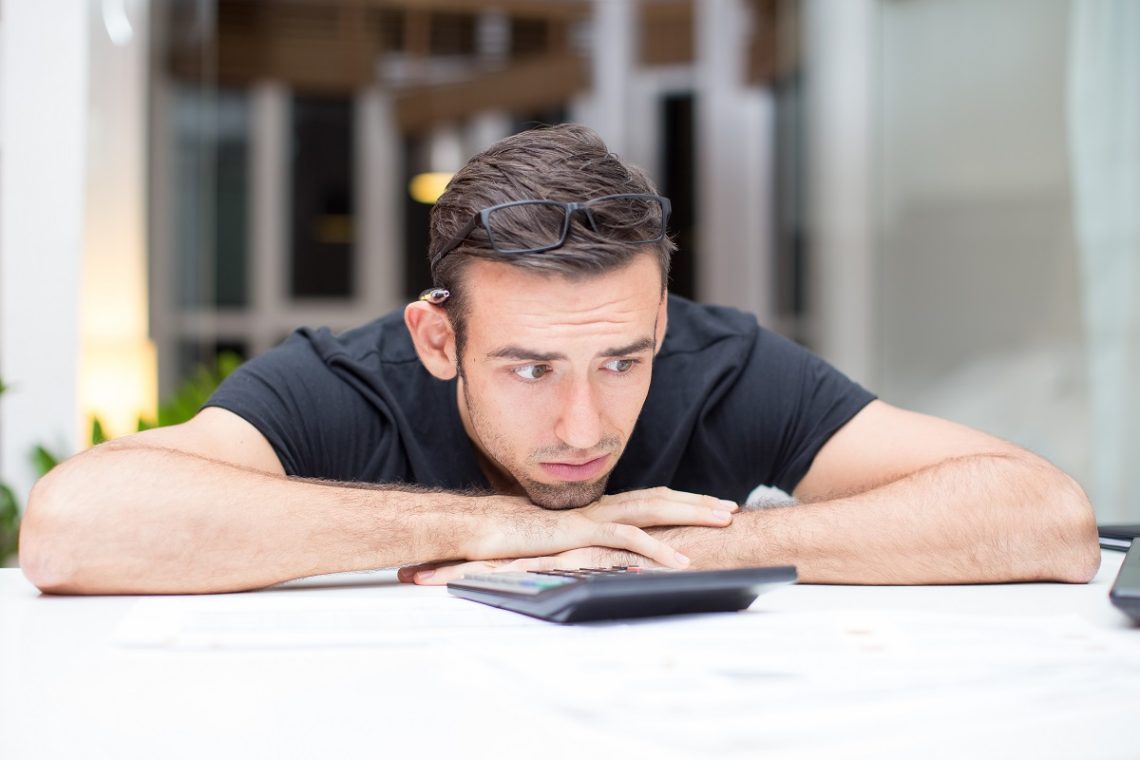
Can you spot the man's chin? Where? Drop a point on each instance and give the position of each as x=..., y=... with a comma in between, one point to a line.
x=566, y=495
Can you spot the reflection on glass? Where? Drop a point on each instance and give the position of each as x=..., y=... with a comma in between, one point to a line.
x=322, y=197
x=211, y=197
x=231, y=202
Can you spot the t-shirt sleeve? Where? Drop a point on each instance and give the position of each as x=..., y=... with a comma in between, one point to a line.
x=319, y=425
x=792, y=402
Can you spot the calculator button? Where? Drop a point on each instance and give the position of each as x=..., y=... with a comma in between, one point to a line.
x=523, y=580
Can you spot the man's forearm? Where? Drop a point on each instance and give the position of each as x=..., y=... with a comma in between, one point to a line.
x=137, y=518
x=970, y=520
x=151, y=520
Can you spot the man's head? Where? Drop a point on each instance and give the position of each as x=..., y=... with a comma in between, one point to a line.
x=554, y=348
x=567, y=163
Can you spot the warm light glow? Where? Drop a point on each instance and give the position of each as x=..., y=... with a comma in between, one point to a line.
x=333, y=229
x=117, y=379
x=427, y=187
x=117, y=384
x=117, y=359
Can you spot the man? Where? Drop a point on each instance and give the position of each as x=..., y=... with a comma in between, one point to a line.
x=547, y=404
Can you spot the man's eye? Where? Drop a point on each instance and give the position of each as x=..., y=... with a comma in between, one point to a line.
x=620, y=365
x=532, y=371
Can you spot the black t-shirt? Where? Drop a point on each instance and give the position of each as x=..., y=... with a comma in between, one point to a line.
x=731, y=406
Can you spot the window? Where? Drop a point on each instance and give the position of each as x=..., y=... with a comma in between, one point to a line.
x=322, y=220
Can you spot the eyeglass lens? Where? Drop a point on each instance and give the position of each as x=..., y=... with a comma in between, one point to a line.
x=531, y=226
x=526, y=226
x=630, y=220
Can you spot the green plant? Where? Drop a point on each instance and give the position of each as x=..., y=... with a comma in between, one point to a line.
x=9, y=523
x=189, y=397
x=180, y=407
x=9, y=514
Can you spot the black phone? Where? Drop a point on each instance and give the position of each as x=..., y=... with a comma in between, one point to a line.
x=1117, y=536
x=1125, y=593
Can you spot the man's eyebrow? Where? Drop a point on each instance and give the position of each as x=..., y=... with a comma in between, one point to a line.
x=524, y=354
x=645, y=344
x=518, y=353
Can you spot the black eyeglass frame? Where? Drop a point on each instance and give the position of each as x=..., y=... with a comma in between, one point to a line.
x=482, y=219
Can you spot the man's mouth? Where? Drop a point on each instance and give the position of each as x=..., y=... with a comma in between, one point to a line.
x=575, y=471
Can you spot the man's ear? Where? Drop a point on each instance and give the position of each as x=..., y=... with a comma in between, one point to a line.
x=662, y=322
x=433, y=337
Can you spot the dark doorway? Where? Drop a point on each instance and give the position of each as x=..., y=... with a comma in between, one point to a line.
x=678, y=184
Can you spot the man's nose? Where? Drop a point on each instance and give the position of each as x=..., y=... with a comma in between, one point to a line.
x=580, y=423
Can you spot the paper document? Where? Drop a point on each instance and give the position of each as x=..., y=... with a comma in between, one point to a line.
x=306, y=620
x=735, y=684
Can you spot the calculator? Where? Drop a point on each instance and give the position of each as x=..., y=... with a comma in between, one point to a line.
x=575, y=596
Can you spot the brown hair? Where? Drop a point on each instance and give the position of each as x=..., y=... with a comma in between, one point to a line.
x=568, y=162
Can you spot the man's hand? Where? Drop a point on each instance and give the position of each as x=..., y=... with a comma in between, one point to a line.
x=435, y=574
x=655, y=507
x=513, y=527
x=640, y=515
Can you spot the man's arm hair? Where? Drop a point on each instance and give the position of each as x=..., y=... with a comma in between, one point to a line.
x=152, y=513
x=899, y=497
x=206, y=507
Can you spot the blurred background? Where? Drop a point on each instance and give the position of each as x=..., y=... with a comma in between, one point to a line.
x=942, y=197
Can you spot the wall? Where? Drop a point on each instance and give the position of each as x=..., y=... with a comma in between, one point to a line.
x=43, y=130
x=978, y=312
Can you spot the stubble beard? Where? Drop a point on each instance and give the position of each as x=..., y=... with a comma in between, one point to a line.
x=566, y=495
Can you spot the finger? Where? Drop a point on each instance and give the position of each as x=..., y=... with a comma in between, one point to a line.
x=658, y=515
x=661, y=493
x=407, y=573
x=621, y=536
x=576, y=559
x=653, y=508
x=533, y=564
x=443, y=575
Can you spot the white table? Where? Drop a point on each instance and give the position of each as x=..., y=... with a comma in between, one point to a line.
x=361, y=666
